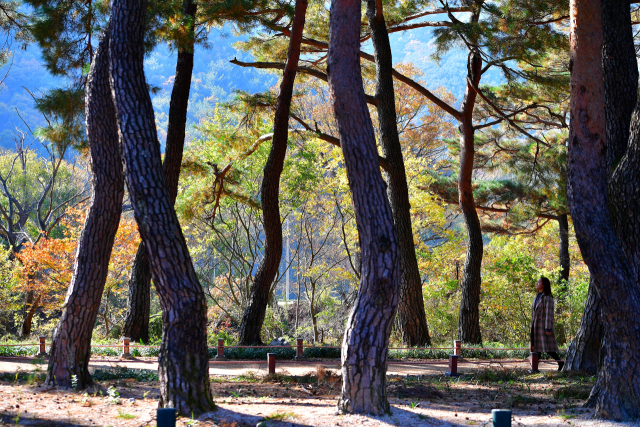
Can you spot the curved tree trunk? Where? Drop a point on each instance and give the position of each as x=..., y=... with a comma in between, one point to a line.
x=366, y=338
x=269, y=193
x=583, y=354
x=183, y=360
x=136, y=324
x=469, y=317
x=71, y=344
x=412, y=320
x=617, y=390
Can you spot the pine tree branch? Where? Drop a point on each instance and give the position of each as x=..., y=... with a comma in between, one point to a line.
x=384, y=164
x=306, y=70
x=400, y=77
x=504, y=116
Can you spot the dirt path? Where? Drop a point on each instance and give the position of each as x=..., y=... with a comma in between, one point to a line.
x=303, y=395
x=235, y=368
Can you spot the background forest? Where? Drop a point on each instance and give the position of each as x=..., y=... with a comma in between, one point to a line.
x=519, y=186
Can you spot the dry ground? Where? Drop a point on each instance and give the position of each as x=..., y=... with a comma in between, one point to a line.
x=545, y=399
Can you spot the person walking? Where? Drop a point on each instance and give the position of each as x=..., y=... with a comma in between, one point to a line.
x=543, y=339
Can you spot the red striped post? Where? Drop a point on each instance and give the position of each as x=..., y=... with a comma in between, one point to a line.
x=220, y=354
x=43, y=351
x=271, y=361
x=299, y=349
x=453, y=366
x=533, y=360
x=457, y=347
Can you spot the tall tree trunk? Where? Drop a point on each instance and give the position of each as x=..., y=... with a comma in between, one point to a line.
x=620, y=70
x=565, y=259
x=29, y=310
x=620, y=83
x=563, y=277
x=583, y=354
x=71, y=344
x=469, y=317
x=617, y=390
x=269, y=193
x=136, y=324
x=412, y=320
x=366, y=338
x=136, y=321
x=183, y=360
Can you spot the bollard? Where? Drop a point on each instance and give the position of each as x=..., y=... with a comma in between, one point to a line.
x=453, y=366
x=533, y=360
x=125, y=348
x=43, y=352
x=501, y=417
x=220, y=354
x=166, y=417
x=271, y=361
x=457, y=345
x=299, y=349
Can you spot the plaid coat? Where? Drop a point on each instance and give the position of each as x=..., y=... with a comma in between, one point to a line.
x=542, y=320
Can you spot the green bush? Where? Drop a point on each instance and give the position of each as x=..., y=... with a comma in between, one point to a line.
x=155, y=329
x=321, y=353
x=282, y=353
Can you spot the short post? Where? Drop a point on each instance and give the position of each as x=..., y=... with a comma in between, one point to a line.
x=220, y=354
x=299, y=349
x=43, y=351
x=501, y=417
x=125, y=348
x=166, y=417
x=457, y=347
x=271, y=362
x=453, y=366
x=533, y=360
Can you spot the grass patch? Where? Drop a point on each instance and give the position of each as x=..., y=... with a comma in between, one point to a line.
x=572, y=392
x=499, y=375
x=142, y=375
x=280, y=416
x=126, y=416
x=23, y=377
x=520, y=400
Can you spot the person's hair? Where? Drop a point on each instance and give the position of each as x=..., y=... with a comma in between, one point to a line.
x=547, y=286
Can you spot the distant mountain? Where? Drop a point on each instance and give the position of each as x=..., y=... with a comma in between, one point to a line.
x=214, y=78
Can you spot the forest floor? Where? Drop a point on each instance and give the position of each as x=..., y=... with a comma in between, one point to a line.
x=298, y=399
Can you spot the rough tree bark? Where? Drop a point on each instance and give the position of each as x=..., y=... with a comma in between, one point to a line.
x=469, y=317
x=269, y=193
x=366, y=339
x=183, y=360
x=136, y=324
x=583, y=354
x=412, y=320
x=617, y=391
x=620, y=72
x=71, y=344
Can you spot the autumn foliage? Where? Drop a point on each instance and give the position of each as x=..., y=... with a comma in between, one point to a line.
x=46, y=268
